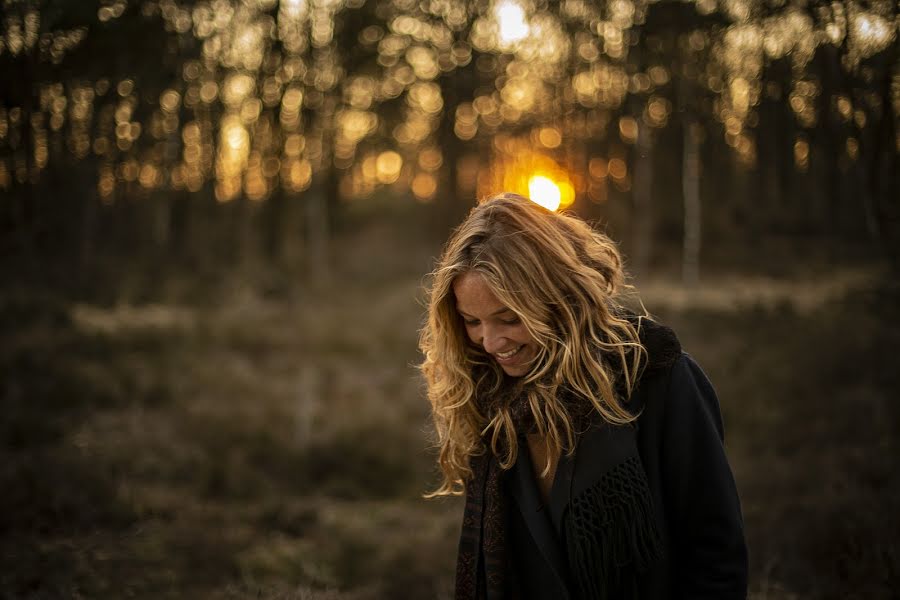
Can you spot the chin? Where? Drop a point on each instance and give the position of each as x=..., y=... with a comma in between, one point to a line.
x=514, y=370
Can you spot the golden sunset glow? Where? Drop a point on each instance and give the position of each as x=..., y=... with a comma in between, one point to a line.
x=518, y=168
x=544, y=191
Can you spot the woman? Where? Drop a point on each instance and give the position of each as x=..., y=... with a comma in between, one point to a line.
x=588, y=445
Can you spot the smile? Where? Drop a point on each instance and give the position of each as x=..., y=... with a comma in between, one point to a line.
x=504, y=356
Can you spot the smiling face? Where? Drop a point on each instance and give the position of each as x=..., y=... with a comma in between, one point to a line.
x=492, y=325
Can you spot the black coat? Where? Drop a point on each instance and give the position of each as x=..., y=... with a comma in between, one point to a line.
x=695, y=502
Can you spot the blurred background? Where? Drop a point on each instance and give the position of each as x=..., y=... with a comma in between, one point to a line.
x=216, y=221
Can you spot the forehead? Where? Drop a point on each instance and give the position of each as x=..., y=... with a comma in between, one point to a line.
x=474, y=296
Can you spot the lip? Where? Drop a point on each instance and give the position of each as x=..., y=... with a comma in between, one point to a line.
x=508, y=359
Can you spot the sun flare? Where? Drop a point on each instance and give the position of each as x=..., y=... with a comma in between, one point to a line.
x=544, y=191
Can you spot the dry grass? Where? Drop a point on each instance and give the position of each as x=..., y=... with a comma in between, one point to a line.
x=278, y=448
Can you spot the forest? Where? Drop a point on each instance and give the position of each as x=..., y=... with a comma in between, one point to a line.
x=217, y=220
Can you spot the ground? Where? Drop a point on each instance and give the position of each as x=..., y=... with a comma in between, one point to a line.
x=279, y=447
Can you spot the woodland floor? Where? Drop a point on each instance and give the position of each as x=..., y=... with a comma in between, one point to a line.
x=279, y=447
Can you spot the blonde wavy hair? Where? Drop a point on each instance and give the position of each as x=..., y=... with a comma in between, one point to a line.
x=565, y=281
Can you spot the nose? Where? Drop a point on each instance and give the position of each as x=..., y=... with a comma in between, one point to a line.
x=491, y=339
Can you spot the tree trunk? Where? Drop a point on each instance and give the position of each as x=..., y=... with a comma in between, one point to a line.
x=23, y=210
x=643, y=200
x=274, y=222
x=317, y=233
x=448, y=198
x=883, y=171
x=690, y=181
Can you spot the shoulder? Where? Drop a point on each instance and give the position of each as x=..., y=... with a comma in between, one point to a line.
x=661, y=351
x=660, y=343
x=678, y=397
x=671, y=382
x=665, y=359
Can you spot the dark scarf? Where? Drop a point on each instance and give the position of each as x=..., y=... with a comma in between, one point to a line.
x=610, y=534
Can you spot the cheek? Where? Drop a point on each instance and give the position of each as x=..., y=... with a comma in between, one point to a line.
x=522, y=335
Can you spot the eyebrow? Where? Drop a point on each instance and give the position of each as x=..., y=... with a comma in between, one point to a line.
x=496, y=312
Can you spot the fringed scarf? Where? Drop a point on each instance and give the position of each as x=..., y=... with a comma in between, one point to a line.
x=609, y=530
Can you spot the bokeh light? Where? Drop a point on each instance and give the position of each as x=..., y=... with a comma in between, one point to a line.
x=511, y=22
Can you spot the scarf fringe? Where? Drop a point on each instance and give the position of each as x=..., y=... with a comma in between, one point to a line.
x=611, y=533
